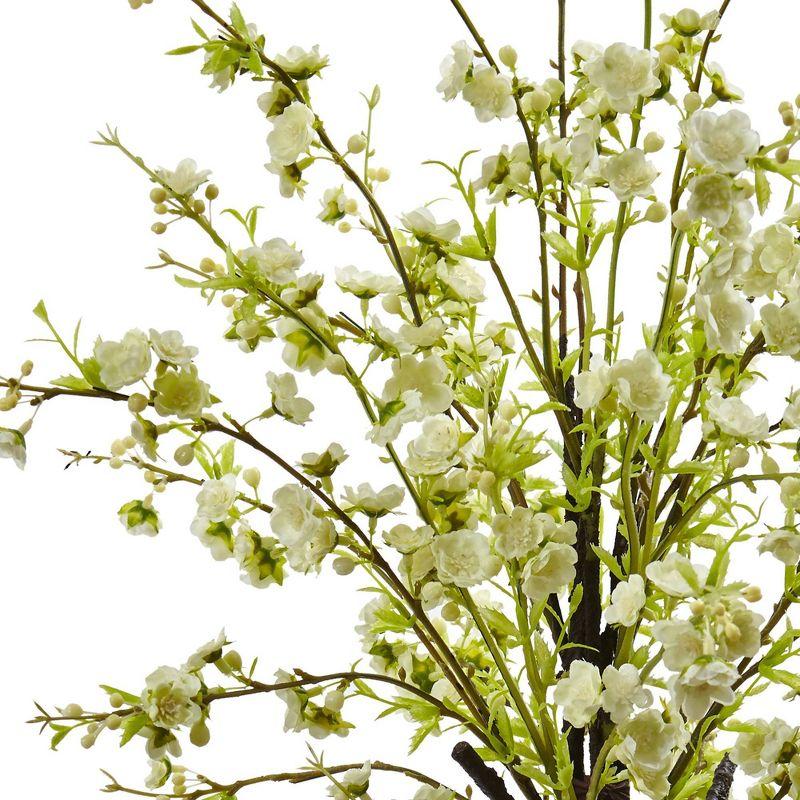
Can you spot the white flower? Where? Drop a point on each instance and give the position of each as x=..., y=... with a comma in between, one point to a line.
x=429, y=793
x=406, y=540
x=463, y=280
x=592, y=385
x=453, y=70
x=364, y=285
x=463, y=558
x=168, y=698
x=185, y=178
x=683, y=643
x=216, y=536
x=406, y=408
x=303, y=348
x=782, y=327
x=216, y=498
x=427, y=376
x=436, y=449
x=424, y=226
x=169, y=347
x=519, y=533
x=783, y=544
x=711, y=199
x=776, y=253
x=726, y=314
x=623, y=691
x=746, y=753
x=12, y=445
x=734, y=417
x=297, y=521
x=159, y=772
x=292, y=134
x=627, y=600
x=727, y=266
x=791, y=416
x=584, y=163
x=207, y=653
x=629, y=174
x=285, y=400
x=624, y=73
x=723, y=143
x=677, y=576
x=579, y=693
x=123, y=363
x=374, y=504
x=302, y=64
x=354, y=783
x=641, y=384
x=140, y=518
x=505, y=173
x=276, y=260
x=549, y=571
x=181, y=393
x=702, y=684
x=790, y=493
x=490, y=94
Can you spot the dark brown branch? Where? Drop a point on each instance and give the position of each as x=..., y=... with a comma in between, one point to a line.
x=485, y=778
x=723, y=780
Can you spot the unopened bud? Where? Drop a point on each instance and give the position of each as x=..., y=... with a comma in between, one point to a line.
x=334, y=700
x=692, y=102
x=507, y=409
x=184, y=455
x=350, y=206
x=233, y=660
x=656, y=212
x=681, y=220
x=539, y=100
x=113, y=722
x=207, y=265
x=252, y=477
x=115, y=463
x=229, y=300
x=212, y=191
x=669, y=55
x=782, y=155
x=200, y=735
x=698, y=607
x=158, y=194
x=769, y=464
x=26, y=369
x=508, y=56
x=118, y=448
x=198, y=206
x=680, y=290
x=137, y=403
x=382, y=174
x=739, y=457
x=116, y=700
x=653, y=142
x=486, y=481
x=87, y=742
x=343, y=565
x=788, y=118
x=451, y=612
x=345, y=226
x=335, y=364
x=356, y=143
x=73, y=710
x=553, y=87
x=752, y=593
x=732, y=632
x=158, y=228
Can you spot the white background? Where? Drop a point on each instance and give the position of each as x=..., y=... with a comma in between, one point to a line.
x=82, y=602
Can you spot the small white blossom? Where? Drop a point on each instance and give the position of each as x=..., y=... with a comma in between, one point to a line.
x=276, y=260
x=427, y=376
x=453, y=70
x=641, y=384
x=702, y=684
x=12, y=445
x=285, y=400
x=711, y=199
x=462, y=280
x=683, y=643
x=216, y=498
x=627, y=600
x=169, y=347
x=579, y=692
x=490, y=94
x=185, y=178
x=722, y=142
x=726, y=314
x=624, y=73
x=782, y=327
x=783, y=544
x=424, y=226
x=374, y=504
x=463, y=558
x=734, y=417
x=125, y=362
x=298, y=523
x=623, y=692
x=520, y=532
x=629, y=174
x=436, y=449
x=592, y=385
x=549, y=571
x=406, y=540
x=677, y=576
x=790, y=493
x=168, y=697
x=302, y=64
x=364, y=285
x=292, y=134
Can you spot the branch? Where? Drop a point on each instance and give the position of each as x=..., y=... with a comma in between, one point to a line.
x=723, y=780
x=485, y=778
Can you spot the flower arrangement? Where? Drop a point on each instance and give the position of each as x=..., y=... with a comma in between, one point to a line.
x=557, y=574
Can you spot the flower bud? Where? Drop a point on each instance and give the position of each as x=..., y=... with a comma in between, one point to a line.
x=137, y=403
x=486, y=481
x=769, y=464
x=26, y=369
x=507, y=409
x=116, y=700
x=732, y=632
x=752, y=593
x=553, y=87
x=158, y=194
x=113, y=722
x=656, y=212
x=788, y=118
x=158, y=228
x=356, y=143
x=345, y=226
x=350, y=206
x=87, y=741
x=252, y=477
x=115, y=463
x=382, y=174
x=782, y=155
x=540, y=100
x=653, y=142
x=739, y=457
x=669, y=55
x=73, y=710
x=207, y=265
x=118, y=448
x=451, y=612
x=698, y=607
x=681, y=220
x=335, y=364
x=343, y=565
x=692, y=102
x=160, y=209
x=508, y=56
x=334, y=700
x=184, y=455
x=200, y=735
x=687, y=22
x=233, y=660
x=9, y=402
x=680, y=290
x=212, y=191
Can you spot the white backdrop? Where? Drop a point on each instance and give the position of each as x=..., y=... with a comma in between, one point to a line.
x=82, y=602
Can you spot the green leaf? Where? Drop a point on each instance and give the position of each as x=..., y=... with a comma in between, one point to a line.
x=72, y=382
x=563, y=250
x=131, y=726
x=130, y=699
x=763, y=190
x=185, y=50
